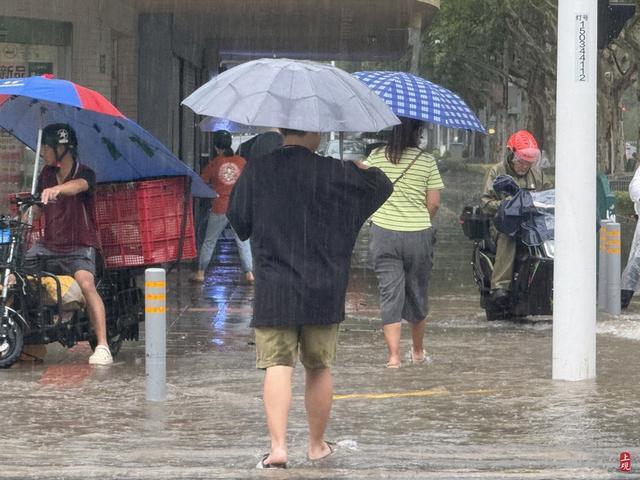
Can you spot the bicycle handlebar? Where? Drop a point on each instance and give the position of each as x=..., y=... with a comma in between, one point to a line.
x=25, y=201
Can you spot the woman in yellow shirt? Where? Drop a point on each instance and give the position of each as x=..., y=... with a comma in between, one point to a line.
x=401, y=238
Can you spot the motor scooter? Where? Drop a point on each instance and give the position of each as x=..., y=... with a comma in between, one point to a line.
x=531, y=291
x=41, y=307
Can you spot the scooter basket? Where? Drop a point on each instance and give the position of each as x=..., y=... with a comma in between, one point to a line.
x=475, y=223
x=9, y=228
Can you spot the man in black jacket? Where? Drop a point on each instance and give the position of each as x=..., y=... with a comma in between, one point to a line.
x=303, y=213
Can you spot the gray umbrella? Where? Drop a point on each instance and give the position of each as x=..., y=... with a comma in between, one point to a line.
x=294, y=94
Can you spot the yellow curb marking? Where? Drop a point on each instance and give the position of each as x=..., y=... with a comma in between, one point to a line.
x=432, y=392
x=155, y=284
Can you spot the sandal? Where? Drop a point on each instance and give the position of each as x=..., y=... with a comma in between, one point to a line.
x=332, y=449
x=393, y=365
x=262, y=465
x=101, y=356
x=423, y=360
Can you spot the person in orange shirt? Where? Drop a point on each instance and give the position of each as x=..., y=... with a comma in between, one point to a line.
x=221, y=173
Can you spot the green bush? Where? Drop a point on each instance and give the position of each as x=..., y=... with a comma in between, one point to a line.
x=480, y=169
x=624, y=205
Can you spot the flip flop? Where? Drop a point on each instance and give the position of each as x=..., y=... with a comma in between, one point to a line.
x=332, y=449
x=262, y=465
x=423, y=360
x=393, y=365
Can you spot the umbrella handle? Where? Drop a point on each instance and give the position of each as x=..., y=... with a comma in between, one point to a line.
x=34, y=182
x=36, y=163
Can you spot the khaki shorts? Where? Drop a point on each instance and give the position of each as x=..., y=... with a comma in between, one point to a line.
x=279, y=346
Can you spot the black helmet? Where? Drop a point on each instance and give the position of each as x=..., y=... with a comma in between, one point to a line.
x=59, y=134
x=222, y=139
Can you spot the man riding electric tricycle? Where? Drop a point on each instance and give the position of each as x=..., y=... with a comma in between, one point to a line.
x=45, y=290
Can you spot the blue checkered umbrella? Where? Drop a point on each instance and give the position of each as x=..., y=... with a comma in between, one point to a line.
x=212, y=124
x=414, y=97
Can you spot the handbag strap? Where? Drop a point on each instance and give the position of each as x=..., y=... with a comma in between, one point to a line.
x=408, y=167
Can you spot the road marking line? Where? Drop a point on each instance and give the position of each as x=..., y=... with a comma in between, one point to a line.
x=432, y=392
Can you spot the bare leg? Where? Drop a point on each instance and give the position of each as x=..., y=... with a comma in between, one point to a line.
x=392, y=333
x=97, y=315
x=417, y=336
x=277, y=401
x=318, y=396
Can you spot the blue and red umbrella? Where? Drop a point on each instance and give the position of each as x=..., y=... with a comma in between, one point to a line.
x=114, y=146
x=48, y=88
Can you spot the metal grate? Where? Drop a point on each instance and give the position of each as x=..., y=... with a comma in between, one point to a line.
x=619, y=183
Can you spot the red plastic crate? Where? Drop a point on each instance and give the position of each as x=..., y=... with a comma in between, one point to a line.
x=139, y=222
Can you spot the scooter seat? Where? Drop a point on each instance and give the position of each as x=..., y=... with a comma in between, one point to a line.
x=72, y=298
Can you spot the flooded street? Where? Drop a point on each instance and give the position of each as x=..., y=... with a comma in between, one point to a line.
x=132, y=120
x=484, y=407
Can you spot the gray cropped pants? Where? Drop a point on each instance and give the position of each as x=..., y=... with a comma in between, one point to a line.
x=402, y=262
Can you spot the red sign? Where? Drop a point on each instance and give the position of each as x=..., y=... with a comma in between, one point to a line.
x=625, y=462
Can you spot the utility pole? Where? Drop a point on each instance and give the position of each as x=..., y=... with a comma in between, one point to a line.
x=574, y=309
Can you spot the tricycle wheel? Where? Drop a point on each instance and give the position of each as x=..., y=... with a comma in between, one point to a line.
x=11, y=341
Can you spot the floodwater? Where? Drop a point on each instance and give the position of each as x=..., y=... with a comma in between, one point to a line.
x=485, y=407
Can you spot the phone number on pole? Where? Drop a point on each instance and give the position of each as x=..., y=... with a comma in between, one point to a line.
x=582, y=53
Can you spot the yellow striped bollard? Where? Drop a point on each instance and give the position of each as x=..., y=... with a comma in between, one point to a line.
x=613, y=268
x=155, y=333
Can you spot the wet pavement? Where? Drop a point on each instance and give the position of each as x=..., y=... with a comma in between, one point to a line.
x=485, y=407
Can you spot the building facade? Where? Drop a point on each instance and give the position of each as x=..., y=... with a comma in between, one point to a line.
x=145, y=56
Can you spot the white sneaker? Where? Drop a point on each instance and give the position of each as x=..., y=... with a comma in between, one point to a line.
x=101, y=356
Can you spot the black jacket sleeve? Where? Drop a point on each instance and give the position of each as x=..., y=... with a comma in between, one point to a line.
x=240, y=211
x=364, y=191
x=375, y=187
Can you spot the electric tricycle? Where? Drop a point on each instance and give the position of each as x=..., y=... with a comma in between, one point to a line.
x=41, y=307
